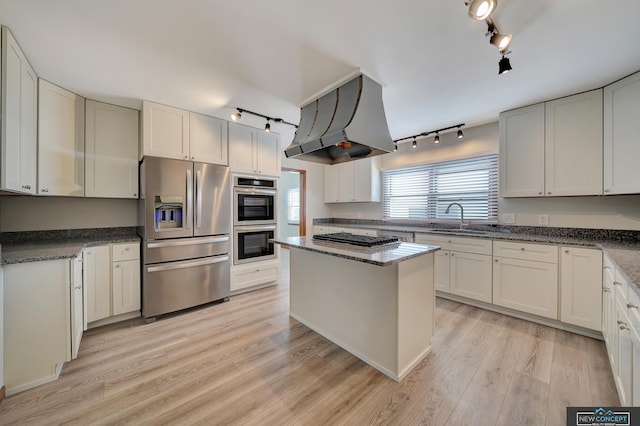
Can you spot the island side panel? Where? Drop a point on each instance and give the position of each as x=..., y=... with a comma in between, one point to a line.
x=416, y=311
x=353, y=304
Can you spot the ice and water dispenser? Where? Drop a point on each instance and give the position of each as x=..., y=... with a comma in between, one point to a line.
x=168, y=212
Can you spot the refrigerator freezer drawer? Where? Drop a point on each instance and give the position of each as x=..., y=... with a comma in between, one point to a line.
x=173, y=286
x=159, y=251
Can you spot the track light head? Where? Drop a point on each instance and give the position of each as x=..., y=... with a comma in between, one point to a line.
x=267, y=127
x=415, y=143
x=236, y=115
x=395, y=146
x=499, y=40
x=481, y=9
x=460, y=134
x=436, y=138
x=504, y=65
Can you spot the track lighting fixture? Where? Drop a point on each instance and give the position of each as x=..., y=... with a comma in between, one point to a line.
x=499, y=40
x=480, y=9
x=267, y=128
x=436, y=138
x=395, y=146
x=237, y=115
x=504, y=65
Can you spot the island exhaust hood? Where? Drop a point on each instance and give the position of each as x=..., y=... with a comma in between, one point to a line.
x=346, y=124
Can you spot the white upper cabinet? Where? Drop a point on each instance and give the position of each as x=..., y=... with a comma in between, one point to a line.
x=522, y=152
x=553, y=148
x=60, y=141
x=208, y=139
x=573, y=141
x=111, y=157
x=621, y=130
x=19, y=118
x=253, y=150
x=354, y=181
x=165, y=131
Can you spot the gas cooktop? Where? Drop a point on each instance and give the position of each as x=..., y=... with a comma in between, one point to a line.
x=356, y=240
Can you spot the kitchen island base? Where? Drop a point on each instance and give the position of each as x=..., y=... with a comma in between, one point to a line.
x=384, y=315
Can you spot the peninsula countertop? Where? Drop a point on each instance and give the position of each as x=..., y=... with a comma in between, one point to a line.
x=380, y=256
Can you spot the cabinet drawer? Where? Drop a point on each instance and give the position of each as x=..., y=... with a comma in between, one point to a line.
x=125, y=251
x=526, y=251
x=249, y=277
x=466, y=245
x=621, y=286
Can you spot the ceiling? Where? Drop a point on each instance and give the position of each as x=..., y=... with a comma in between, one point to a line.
x=435, y=63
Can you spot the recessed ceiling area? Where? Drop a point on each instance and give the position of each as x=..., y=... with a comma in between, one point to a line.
x=436, y=65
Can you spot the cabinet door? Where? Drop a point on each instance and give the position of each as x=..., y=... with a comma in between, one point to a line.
x=267, y=153
x=573, y=145
x=347, y=182
x=126, y=286
x=77, y=305
x=366, y=183
x=241, y=152
x=635, y=391
x=208, y=139
x=625, y=354
x=470, y=276
x=97, y=282
x=60, y=141
x=441, y=270
x=37, y=314
x=522, y=152
x=621, y=130
x=608, y=310
x=581, y=287
x=526, y=286
x=165, y=131
x=111, y=136
x=331, y=183
x=19, y=118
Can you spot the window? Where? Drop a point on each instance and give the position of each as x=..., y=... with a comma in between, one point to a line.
x=293, y=206
x=424, y=192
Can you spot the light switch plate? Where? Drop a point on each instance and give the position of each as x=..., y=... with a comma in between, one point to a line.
x=508, y=218
x=543, y=219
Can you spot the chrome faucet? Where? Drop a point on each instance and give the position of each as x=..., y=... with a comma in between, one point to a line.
x=461, y=213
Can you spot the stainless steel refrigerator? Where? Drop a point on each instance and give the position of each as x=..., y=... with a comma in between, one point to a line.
x=186, y=227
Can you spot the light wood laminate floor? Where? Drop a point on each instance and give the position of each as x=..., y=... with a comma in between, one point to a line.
x=247, y=362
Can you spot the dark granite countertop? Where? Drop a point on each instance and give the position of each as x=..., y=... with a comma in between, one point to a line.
x=623, y=247
x=381, y=256
x=24, y=247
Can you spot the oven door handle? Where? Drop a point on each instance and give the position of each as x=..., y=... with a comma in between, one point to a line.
x=255, y=228
x=187, y=242
x=255, y=191
x=189, y=264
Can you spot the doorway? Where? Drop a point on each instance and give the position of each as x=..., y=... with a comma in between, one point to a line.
x=292, y=217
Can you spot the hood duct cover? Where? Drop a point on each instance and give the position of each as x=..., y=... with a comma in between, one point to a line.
x=346, y=124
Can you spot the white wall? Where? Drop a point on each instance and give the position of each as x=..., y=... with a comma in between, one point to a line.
x=611, y=212
x=288, y=180
x=31, y=213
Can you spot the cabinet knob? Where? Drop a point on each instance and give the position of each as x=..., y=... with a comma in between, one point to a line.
x=45, y=190
x=548, y=193
x=566, y=251
x=607, y=190
x=78, y=287
x=495, y=260
x=127, y=249
x=606, y=290
x=135, y=195
x=539, y=193
x=522, y=248
x=449, y=241
x=452, y=254
x=186, y=157
x=624, y=326
x=193, y=157
x=117, y=265
x=617, y=283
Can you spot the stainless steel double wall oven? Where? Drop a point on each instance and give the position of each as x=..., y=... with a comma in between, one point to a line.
x=186, y=233
x=254, y=218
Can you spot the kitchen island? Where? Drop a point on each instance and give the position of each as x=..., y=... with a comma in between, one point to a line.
x=377, y=303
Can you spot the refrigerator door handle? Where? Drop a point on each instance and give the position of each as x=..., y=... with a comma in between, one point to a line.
x=189, y=199
x=198, y=199
x=189, y=242
x=190, y=264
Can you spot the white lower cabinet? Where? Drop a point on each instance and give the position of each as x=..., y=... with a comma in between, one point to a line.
x=77, y=304
x=441, y=270
x=580, y=287
x=524, y=284
x=244, y=277
x=624, y=374
x=112, y=281
x=635, y=389
x=609, y=312
x=470, y=275
x=37, y=322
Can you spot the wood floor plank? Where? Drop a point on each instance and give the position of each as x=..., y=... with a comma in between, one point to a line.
x=247, y=362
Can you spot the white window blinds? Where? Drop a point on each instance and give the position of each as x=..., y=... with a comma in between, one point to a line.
x=424, y=192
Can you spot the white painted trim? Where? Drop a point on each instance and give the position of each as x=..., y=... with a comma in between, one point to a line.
x=113, y=319
x=413, y=363
x=33, y=384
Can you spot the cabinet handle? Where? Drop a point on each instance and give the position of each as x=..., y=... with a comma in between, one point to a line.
x=45, y=190
x=117, y=265
x=607, y=190
x=606, y=267
x=127, y=249
x=449, y=241
x=78, y=288
x=617, y=283
x=632, y=306
x=566, y=251
x=495, y=260
x=539, y=193
x=522, y=248
x=548, y=193
x=452, y=254
x=606, y=290
x=624, y=326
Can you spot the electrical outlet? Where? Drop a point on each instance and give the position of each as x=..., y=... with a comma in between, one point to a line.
x=543, y=219
x=508, y=218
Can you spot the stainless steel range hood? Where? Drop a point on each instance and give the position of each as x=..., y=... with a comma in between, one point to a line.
x=346, y=124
